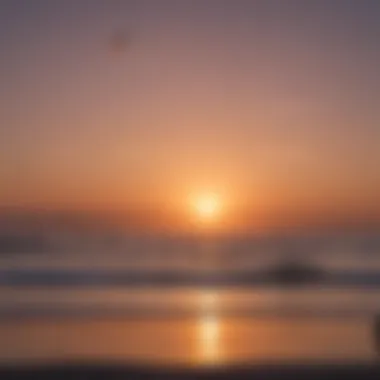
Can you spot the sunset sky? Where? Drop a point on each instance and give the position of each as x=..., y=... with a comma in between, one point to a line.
x=137, y=105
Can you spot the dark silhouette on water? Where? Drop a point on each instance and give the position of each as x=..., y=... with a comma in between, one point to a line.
x=295, y=272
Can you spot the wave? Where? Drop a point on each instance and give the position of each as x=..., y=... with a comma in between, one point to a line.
x=183, y=278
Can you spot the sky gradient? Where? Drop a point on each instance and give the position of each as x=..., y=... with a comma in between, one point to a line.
x=272, y=104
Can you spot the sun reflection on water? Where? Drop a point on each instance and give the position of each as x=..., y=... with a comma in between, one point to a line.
x=209, y=329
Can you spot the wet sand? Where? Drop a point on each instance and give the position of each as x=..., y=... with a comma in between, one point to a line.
x=188, y=341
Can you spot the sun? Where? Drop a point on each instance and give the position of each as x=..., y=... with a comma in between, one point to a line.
x=207, y=206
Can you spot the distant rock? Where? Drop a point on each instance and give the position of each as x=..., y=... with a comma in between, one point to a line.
x=294, y=272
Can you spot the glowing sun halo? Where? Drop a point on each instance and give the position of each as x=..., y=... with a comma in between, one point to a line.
x=207, y=206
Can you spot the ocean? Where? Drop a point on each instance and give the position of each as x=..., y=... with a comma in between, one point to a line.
x=126, y=300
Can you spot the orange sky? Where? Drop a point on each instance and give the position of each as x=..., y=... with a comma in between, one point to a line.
x=247, y=99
